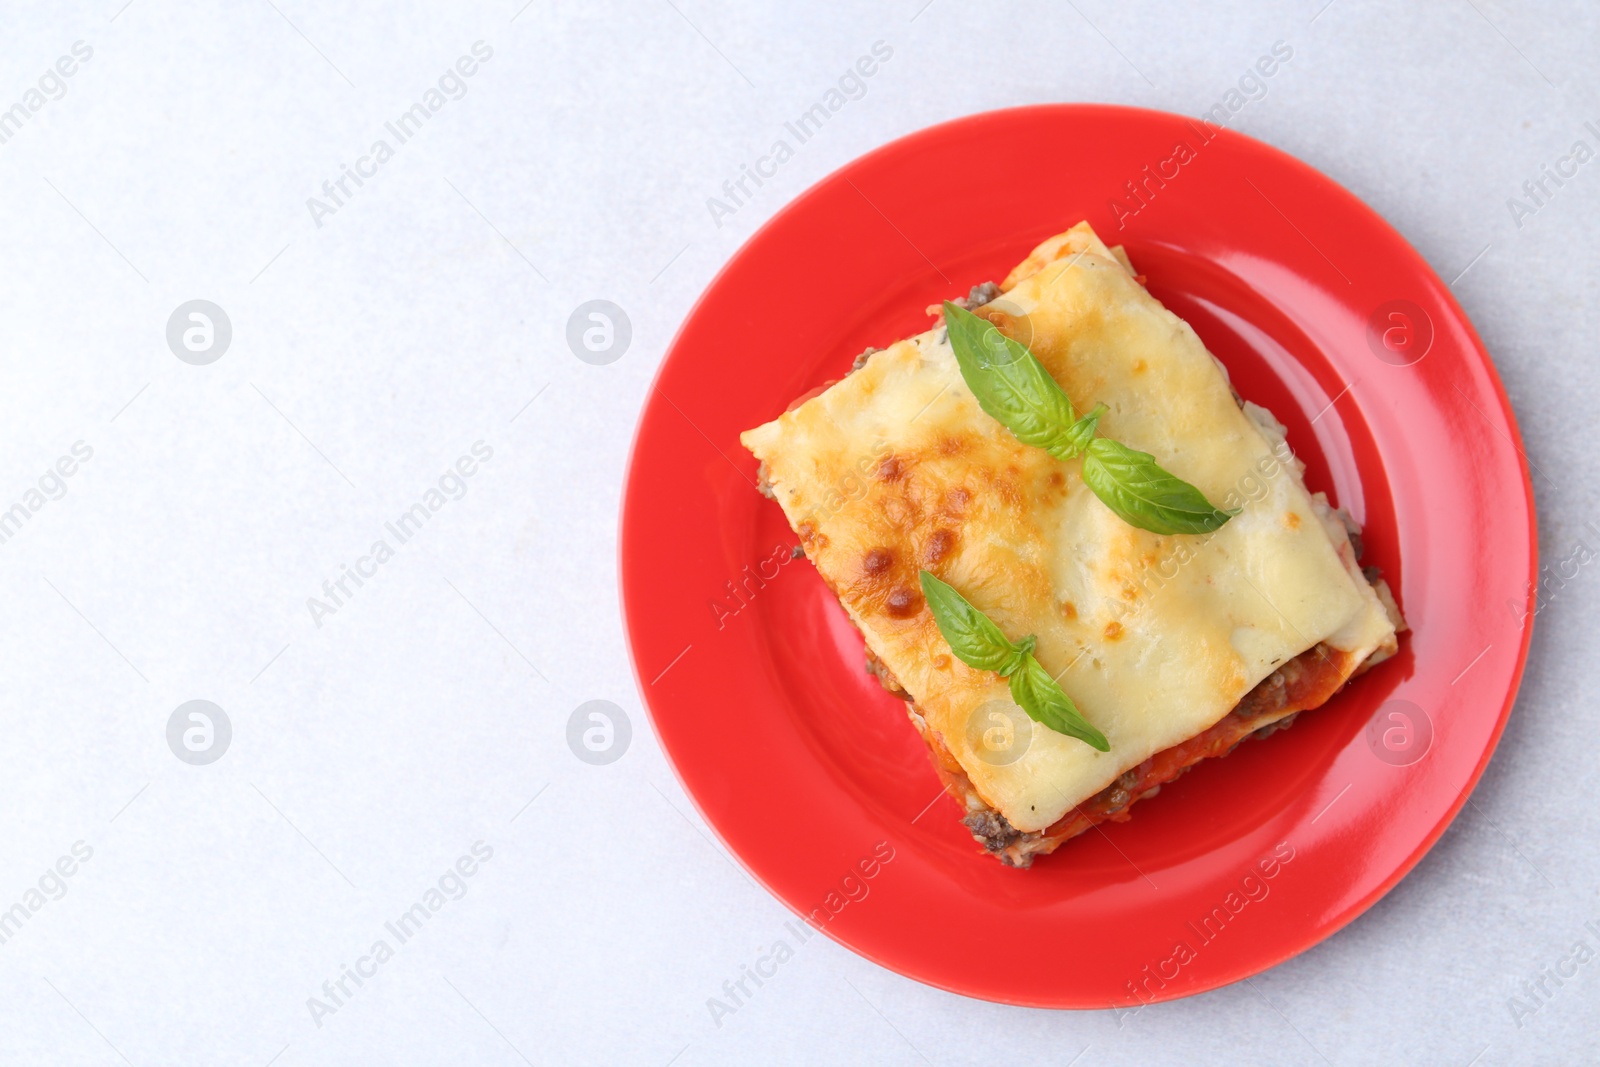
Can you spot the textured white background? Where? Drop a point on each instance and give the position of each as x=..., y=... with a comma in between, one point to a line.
x=371, y=352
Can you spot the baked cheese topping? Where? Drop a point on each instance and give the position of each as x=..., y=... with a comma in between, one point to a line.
x=1156, y=638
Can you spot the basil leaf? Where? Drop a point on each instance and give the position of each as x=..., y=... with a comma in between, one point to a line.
x=1082, y=432
x=978, y=643
x=975, y=640
x=1010, y=383
x=1143, y=495
x=1045, y=702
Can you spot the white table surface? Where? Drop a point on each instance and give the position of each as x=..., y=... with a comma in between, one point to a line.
x=371, y=351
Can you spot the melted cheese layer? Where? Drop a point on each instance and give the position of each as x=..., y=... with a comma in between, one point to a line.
x=1154, y=637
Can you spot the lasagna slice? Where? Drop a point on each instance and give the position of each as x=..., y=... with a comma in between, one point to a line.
x=1175, y=647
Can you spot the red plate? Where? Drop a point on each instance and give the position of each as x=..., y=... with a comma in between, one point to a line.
x=1323, y=314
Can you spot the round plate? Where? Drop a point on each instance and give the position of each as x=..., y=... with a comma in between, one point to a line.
x=811, y=774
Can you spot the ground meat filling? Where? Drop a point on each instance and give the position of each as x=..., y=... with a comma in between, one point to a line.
x=764, y=483
x=861, y=360
x=982, y=294
x=991, y=829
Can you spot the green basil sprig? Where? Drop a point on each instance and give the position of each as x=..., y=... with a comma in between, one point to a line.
x=1016, y=390
x=979, y=643
x=1133, y=486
